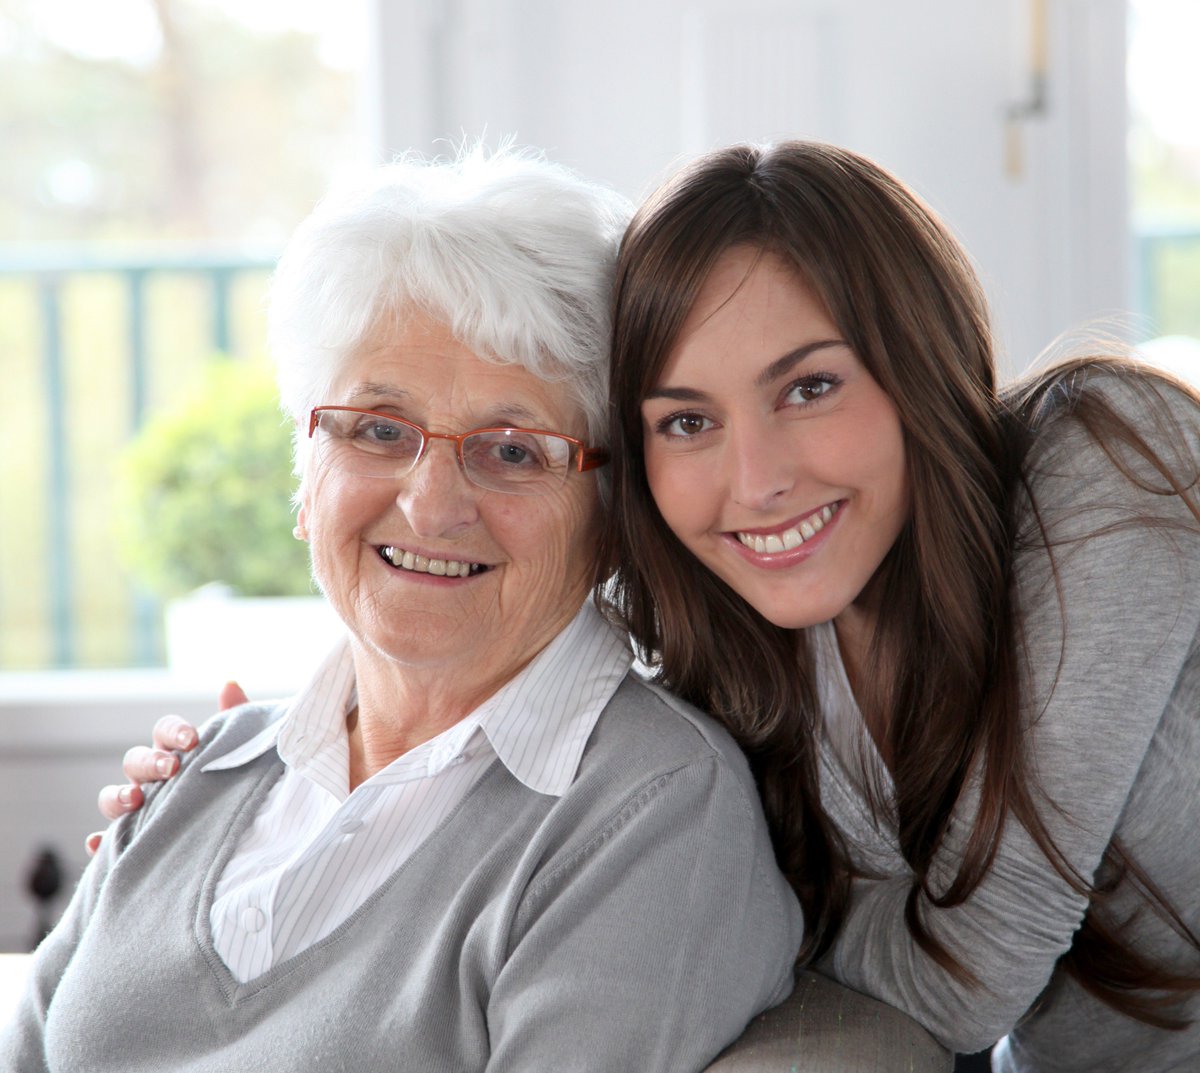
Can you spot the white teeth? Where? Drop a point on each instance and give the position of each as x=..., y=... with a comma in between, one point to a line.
x=789, y=538
x=438, y=567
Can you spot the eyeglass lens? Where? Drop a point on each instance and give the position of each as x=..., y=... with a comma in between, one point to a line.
x=505, y=460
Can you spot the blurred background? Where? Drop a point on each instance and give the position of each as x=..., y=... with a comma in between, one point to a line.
x=157, y=153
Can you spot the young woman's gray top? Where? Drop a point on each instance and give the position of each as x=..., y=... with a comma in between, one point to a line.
x=635, y=923
x=1112, y=690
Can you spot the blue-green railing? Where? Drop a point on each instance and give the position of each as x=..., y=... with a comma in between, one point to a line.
x=44, y=276
x=1166, y=274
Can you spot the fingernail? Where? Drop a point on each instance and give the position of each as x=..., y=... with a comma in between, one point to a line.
x=125, y=795
x=163, y=765
x=184, y=738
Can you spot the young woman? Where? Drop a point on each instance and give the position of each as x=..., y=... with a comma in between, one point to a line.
x=956, y=627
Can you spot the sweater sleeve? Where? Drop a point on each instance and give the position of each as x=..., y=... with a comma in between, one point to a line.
x=652, y=946
x=1101, y=669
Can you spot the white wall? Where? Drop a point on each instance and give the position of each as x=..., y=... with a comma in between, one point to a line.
x=625, y=89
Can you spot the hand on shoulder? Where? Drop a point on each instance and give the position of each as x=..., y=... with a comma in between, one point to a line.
x=171, y=736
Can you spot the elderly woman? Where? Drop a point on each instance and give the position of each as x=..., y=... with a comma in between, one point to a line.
x=474, y=841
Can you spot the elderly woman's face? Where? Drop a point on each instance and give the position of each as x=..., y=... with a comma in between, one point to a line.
x=523, y=562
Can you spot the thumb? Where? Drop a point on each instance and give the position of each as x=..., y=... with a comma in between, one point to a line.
x=231, y=696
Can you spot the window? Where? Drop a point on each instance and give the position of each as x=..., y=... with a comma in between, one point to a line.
x=1164, y=154
x=164, y=149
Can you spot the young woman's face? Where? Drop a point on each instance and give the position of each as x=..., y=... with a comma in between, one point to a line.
x=771, y=452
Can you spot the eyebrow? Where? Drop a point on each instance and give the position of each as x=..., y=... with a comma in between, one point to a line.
x=502, y=415
x=772, y=372
x=370, y=389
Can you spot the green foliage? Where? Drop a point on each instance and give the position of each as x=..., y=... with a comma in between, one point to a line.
x=204, y=491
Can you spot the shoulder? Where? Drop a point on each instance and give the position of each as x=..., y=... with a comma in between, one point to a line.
x=234, y=728
x=656, y=764
x=1113, y=406
x=1110, y=445
x=667, y=791
x=220, y=738
x=646, y=723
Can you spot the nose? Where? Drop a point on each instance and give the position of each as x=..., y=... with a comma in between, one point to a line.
x=435, y=496
x=759, y=467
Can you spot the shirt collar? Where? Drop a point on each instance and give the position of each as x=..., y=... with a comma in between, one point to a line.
x=538, y=723
x=315, y=717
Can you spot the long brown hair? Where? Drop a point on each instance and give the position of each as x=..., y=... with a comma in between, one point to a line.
x=907, y=301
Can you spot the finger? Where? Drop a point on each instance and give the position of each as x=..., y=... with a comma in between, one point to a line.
x=115, y=801
x=92, y=842
x=231, y=696
x=149, y=765
x=173, y=732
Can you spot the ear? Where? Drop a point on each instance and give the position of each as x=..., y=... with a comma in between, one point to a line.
x=301, y=463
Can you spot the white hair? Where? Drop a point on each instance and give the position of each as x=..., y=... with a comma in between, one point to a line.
x=514, y=254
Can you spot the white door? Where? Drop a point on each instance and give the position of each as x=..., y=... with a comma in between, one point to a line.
x=1008, y=116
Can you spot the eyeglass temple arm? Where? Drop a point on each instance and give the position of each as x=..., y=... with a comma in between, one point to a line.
x=592, y=458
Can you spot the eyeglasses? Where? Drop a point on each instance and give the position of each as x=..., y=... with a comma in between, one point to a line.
x=519, y=461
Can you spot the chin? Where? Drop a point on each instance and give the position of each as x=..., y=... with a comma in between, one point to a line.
x=796, y=614
x=794, y=621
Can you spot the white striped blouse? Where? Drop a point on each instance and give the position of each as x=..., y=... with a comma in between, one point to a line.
x=315, y=853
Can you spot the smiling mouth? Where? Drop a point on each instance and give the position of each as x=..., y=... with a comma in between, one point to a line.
x=789, y=538
x=419, y=564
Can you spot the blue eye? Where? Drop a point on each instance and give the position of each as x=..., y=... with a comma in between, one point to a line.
x=376, y=434
x=512, y=453
x=383, y=431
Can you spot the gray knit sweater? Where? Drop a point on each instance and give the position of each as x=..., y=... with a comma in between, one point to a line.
x=634, y=924
x=1115, y=741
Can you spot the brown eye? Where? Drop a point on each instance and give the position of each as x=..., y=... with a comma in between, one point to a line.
x=683, y=425
x=810, y=389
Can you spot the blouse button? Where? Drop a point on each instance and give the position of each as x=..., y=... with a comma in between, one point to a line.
x=253, y=918
x=350, y=825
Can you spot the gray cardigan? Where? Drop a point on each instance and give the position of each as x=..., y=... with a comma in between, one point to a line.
x=636, y=923
x=1114, y=735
